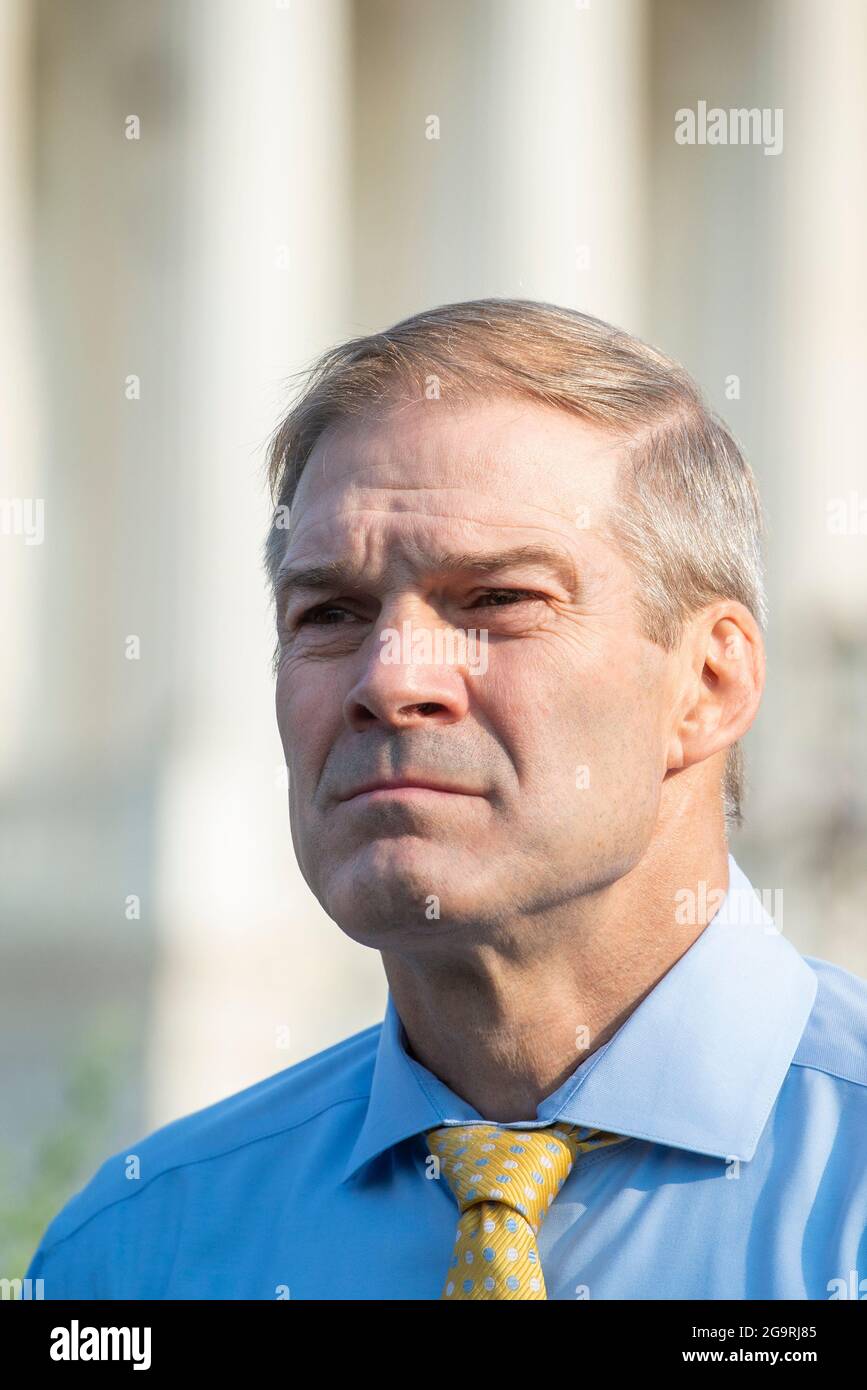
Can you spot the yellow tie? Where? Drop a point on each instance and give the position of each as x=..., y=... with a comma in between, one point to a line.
x=504, y=1180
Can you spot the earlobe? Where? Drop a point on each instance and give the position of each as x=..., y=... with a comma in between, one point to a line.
x=675, y=759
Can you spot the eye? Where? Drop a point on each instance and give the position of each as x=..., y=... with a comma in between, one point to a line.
x=324, y=614
x=317, y=617
x=511, y=596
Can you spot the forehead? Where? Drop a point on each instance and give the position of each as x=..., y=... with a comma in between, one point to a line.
x=502, y=462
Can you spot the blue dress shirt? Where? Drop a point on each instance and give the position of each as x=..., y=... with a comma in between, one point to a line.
x=740, y=1079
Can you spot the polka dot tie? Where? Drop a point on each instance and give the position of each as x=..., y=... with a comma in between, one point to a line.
x=504, y=1181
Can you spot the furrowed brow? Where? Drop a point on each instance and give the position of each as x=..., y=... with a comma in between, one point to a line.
x=336, y=574
x=544, y=556
x=331, y=574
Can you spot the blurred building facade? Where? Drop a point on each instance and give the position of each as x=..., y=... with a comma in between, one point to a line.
x=198, y=197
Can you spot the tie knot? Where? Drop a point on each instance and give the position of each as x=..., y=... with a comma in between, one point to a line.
x=524, y=1169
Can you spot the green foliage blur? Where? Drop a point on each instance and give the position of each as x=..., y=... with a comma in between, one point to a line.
x=72, y=1146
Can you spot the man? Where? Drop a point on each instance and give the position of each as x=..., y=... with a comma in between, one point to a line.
x=516, y=567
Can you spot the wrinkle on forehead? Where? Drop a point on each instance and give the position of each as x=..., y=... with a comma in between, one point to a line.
x=549, y=462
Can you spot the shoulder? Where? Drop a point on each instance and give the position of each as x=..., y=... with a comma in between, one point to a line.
x=834, y=1040
x=220, y=1133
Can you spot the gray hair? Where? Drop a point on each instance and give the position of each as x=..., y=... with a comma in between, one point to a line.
x=687, y=515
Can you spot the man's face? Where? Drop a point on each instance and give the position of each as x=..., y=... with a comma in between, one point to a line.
x=550, y=734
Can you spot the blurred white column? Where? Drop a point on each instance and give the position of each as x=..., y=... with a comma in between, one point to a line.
x=253, y=976
x=567, y=153
x=19, y=478
x=501, y=150
x=822, y=302
x=816, y=744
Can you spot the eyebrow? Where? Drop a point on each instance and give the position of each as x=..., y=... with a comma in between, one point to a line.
x=336, y=574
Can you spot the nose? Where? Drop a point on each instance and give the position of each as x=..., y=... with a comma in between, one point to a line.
x=414, y=673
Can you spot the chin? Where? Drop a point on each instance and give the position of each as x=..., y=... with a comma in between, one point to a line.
x=407, y=884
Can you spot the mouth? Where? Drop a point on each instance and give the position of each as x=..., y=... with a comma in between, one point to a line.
x=405, y=789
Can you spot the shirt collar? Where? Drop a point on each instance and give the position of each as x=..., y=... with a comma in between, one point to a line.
x=697, y=1065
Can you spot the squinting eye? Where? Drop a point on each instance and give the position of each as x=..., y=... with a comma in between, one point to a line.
x=318, y=616
x=312, y=615
x=516, y=594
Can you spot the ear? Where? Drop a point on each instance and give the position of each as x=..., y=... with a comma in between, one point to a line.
x=723, y=676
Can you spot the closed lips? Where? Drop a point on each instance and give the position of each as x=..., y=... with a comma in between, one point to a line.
x=408, y=783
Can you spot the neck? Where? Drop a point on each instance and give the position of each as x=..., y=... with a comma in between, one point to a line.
x=506, y=1020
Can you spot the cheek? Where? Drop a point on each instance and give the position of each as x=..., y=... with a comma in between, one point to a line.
x=598, y=721
x=306, y=704
x=623, y=712
x=625, y=747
